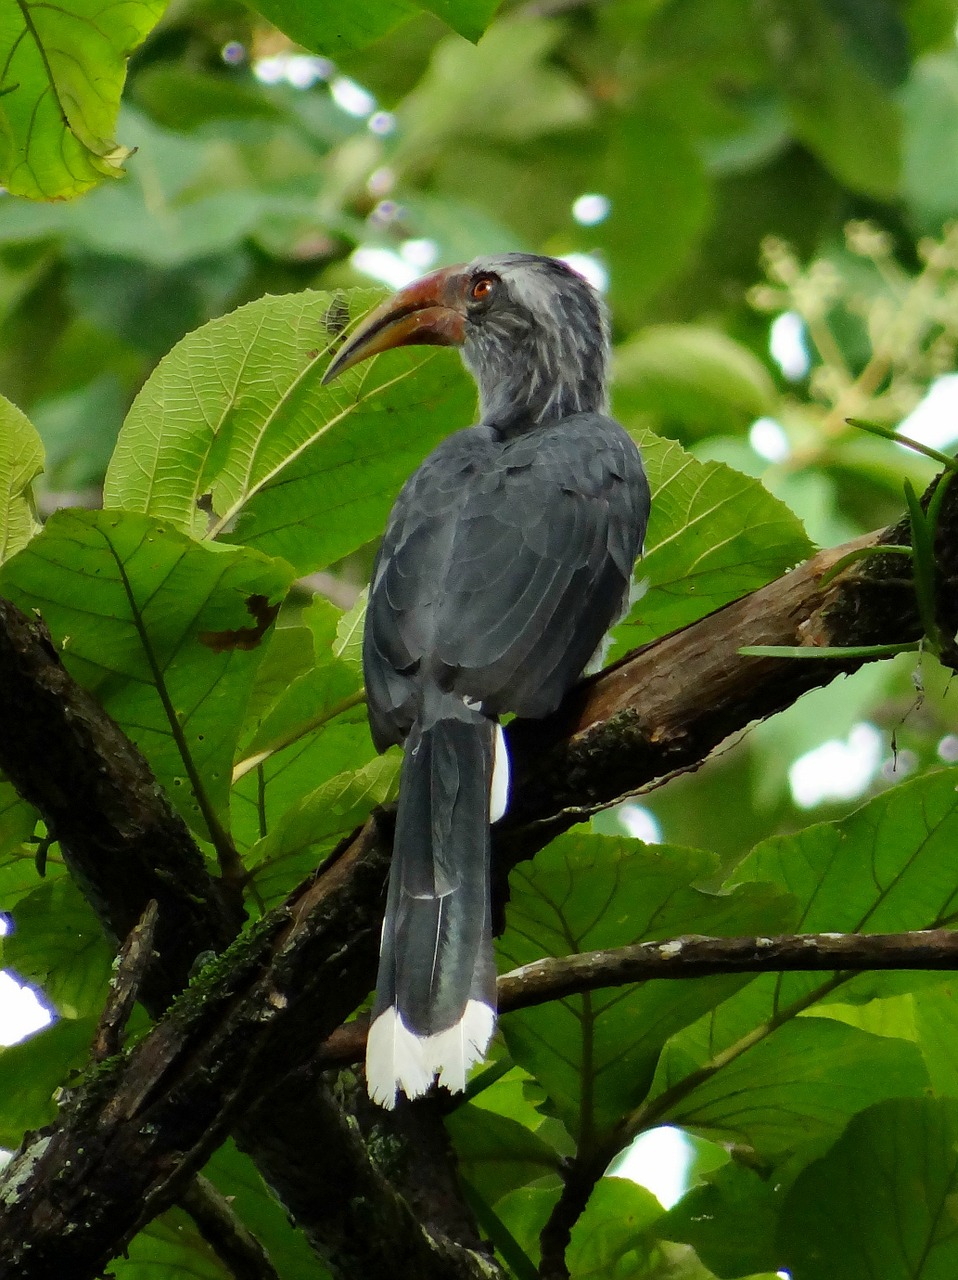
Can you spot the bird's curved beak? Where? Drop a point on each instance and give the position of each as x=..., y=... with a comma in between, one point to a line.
x=428, y=312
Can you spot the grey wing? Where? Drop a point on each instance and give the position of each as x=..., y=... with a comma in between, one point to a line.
x=541, y=565
x=502, y=571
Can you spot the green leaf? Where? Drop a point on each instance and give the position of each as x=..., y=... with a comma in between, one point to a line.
x=469, y=17
x=165, y=631
x=930, y=166
x=329, y=690
x=731, y=1221
x=309, y=829
x=497, y=1154
x=32, y=1071
x=21, y=461
x=654, y=176
x=18, y=822
x=693, y=378
x=336, y=27
x=714, y=535
x=595, y=1054
x=887, y=867
x=63, y=71
x=935, y=1011
x=170, y=1245
x=57, y=943
x=505, y=89
x=838, y=108
x=237, y=1177
x=236, y=412
x=607, y=1240
x=883, y=1202
x=799, y=1086
x=349, y=633
x=262, y=797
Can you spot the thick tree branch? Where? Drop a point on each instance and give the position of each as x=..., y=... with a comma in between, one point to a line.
x=125, y=845
x=153, y=1121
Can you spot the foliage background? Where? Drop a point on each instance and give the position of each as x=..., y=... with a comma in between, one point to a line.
x=758, y=160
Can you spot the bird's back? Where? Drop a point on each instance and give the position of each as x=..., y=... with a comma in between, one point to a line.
x=503, y=565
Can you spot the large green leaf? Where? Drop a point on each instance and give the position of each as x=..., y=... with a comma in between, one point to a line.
x=310, y=828
x=595, y=1054
x=691, y=377
x=236, y=1176
x=236, y=415
x=889, y=866
x=170, y=1245
x=731, y=1220
x=63, y=71
x=883, y=1202
x=799, y=1086
x=930, y=166
x=32, y=1071
x=166, y=631
x=505, y=89
x=18, y=821
x=336, y=27
x=714, y=535
x=57, y=943
x=21, y=461
x=839, y=107
x=608, y=1239
x=653, y=174
x=497, y=1154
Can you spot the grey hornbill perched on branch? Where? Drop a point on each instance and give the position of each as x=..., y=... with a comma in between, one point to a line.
x=506, y=558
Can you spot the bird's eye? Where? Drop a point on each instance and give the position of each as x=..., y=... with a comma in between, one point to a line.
x=482, y=288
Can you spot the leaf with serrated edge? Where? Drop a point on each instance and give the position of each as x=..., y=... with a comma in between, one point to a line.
x=237, y=412
x=64, y=66
x=714, y=535
x=133, y=605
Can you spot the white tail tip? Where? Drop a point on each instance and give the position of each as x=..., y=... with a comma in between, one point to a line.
x=399, y=1061
x=499, y=791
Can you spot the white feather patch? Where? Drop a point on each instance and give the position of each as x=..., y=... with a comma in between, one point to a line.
x=399, y=1061
x=499, y=791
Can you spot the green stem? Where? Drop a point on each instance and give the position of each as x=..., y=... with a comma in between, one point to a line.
x=811, y=651
x=862, y=553
x=889, y=433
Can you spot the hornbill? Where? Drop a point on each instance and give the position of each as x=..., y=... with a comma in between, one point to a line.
x=506, y=558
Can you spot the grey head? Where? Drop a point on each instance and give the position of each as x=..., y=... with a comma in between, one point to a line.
x=536, y=341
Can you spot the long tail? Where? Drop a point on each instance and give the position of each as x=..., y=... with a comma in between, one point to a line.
x=435, y=1006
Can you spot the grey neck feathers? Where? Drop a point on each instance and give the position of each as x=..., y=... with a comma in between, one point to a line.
x=535, y=369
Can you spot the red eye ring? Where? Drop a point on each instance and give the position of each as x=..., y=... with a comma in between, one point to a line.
x=482, y=288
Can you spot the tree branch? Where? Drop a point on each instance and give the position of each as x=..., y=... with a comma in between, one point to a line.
x=693, y=956
x=225, y=1234
x=124, y=1148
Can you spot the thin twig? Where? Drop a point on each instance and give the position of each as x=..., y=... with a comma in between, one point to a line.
x=693, y=957
x=130, y=966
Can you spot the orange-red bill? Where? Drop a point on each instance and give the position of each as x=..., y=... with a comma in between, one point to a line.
x=429, y=312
